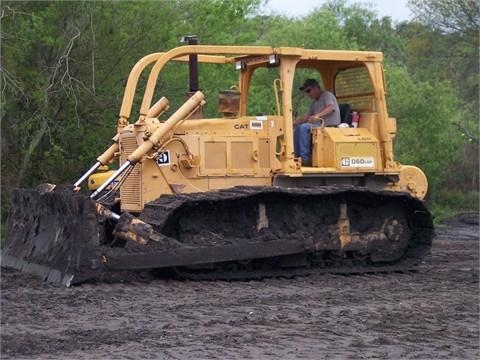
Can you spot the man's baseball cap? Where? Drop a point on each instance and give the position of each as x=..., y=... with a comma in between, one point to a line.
x=308, y=83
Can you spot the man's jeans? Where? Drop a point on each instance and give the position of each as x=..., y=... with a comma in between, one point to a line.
x=302, y=141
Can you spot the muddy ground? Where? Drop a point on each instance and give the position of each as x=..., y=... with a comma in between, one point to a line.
x=432, y=313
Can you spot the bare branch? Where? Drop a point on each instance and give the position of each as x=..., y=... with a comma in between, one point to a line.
x=459, y=16
x=63, y=61
x=8, y=11
x=31, y=149
x=93, y=51
x=467, y=133
x=62, y=76
x=9, y=79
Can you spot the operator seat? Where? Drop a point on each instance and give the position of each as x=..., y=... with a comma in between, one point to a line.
x=345, y=113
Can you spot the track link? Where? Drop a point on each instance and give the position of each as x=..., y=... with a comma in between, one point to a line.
x=240, y=220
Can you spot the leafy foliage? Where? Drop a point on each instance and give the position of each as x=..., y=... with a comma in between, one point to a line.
x=443, y=43
x=424, y=115
x=64, y=66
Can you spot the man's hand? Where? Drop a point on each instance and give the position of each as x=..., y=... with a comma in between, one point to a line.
x=301, y=120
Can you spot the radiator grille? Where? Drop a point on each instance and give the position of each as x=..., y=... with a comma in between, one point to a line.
x=130, y=191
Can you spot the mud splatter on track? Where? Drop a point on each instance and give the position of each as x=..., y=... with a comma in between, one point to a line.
x=430, y=313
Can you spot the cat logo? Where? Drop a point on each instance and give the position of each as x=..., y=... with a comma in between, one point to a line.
x=240, y=126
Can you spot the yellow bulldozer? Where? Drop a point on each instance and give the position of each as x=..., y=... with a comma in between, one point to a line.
x=224, y=196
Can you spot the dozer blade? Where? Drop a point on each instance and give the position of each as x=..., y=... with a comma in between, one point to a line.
x=54, y=235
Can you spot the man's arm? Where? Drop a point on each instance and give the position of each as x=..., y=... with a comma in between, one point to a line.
x=306, y=118
x=315, y=117
x=324, y=112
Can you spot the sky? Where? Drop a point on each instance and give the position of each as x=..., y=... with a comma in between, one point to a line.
x=396, y=9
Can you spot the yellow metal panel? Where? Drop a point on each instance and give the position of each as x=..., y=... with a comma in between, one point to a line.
x=357, y=156
x=241, y=152
x=242, y=156
x=392, y=126
x=154, y=182
x=338, y=55
x=215, y=157
x=369, y=121
x=229, y=126
x=346, y=149
x=224, y=183
x=264, y=153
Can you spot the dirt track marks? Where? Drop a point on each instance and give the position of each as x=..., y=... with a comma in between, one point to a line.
x=432, y=313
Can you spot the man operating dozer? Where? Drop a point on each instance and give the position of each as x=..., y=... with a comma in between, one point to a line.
x=324, y=108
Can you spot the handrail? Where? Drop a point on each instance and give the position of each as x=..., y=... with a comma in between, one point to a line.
x=181, y=53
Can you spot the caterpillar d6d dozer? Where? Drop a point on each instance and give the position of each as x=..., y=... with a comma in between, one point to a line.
x=225, y=196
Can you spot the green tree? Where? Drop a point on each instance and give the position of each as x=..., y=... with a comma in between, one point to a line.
x=424, y=113
x=442, y=45
x=65, y=65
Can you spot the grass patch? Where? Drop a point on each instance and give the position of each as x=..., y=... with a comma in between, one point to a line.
x=447, y=203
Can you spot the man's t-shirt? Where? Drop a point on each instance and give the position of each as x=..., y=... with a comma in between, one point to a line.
x=325, y=99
